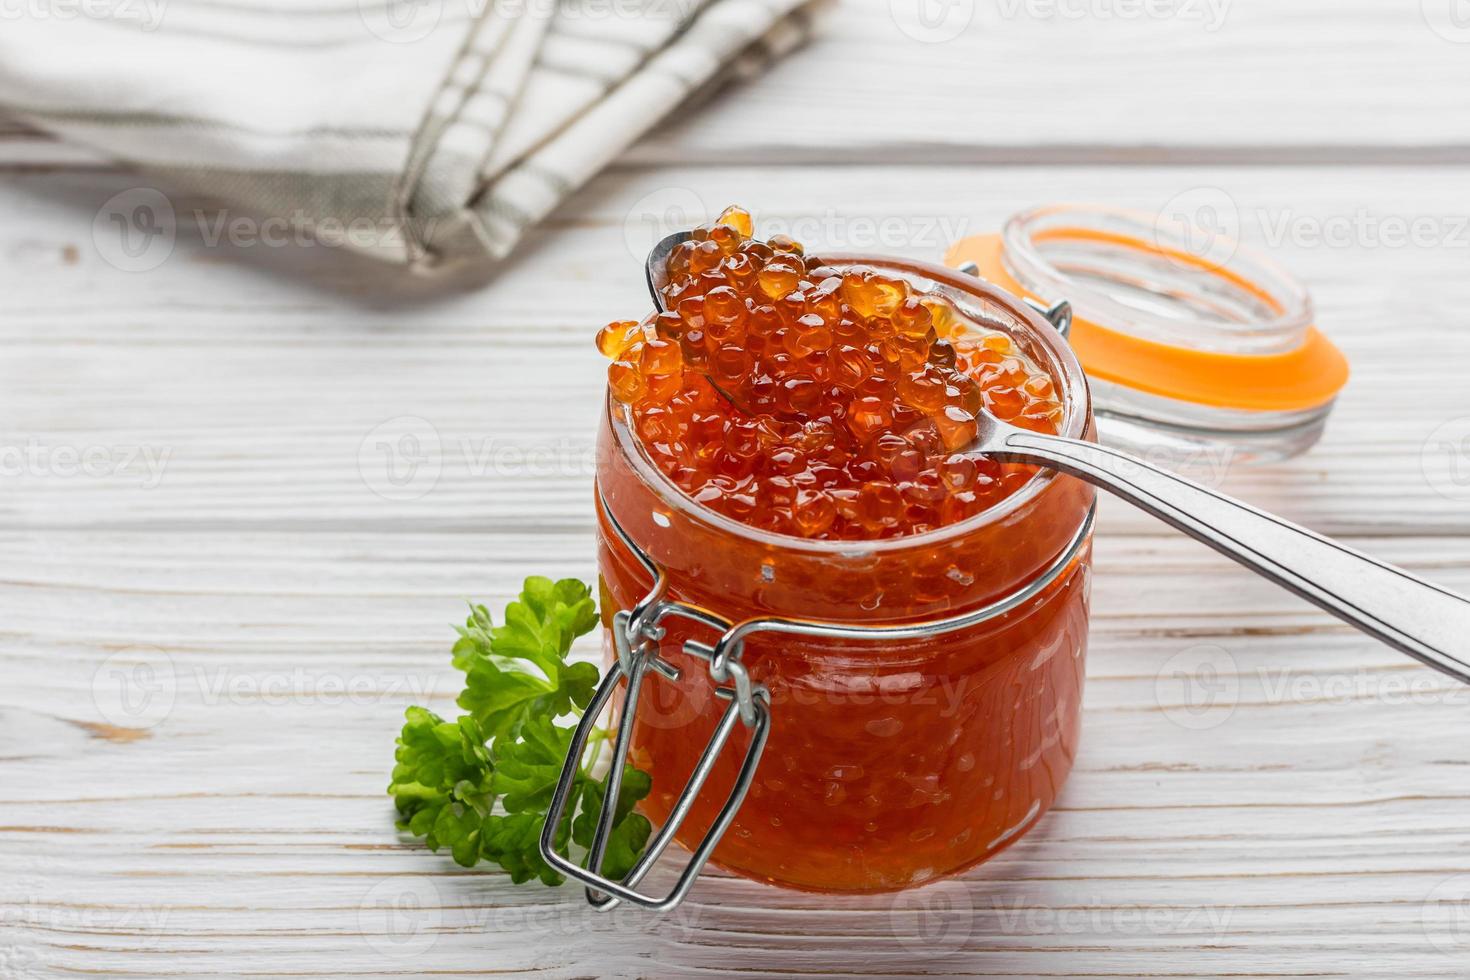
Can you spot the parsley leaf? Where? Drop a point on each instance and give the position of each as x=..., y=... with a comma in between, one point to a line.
x=630, y=831
x=442, y=783
x=526, y=770
x=508, y=749
x=513, y=841
x=500, y=690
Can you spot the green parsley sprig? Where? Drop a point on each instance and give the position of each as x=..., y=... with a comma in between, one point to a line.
x=481, y=785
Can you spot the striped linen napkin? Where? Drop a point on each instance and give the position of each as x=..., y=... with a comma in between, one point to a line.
x=428, y=133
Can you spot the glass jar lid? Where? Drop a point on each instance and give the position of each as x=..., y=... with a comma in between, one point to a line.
x=1185, y=346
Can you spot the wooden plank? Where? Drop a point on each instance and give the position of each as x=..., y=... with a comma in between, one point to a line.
x=292, y=358
x=1307, y=821
x=1313, y=81
x=246, y=831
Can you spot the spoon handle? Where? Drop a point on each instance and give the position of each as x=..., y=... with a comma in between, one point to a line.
x=1423, y=620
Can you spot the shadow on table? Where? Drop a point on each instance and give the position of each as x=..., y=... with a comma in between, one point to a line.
x=979, y=921
x=138, y=225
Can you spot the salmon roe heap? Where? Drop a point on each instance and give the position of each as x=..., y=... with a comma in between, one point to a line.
x=808, y=400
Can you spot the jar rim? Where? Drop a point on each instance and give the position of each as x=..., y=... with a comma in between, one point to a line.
x=1063, y=366
x=1140, y=237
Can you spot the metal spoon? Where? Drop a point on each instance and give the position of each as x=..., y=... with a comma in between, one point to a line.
x=656, y=267
x=1429, y=623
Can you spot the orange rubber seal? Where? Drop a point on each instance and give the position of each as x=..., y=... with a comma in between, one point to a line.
x=1304, y=378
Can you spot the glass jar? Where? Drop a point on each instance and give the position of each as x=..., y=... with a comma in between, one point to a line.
x=1201, y=351
x=894, y=758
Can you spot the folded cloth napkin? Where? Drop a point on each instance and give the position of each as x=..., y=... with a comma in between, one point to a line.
x=430, y=133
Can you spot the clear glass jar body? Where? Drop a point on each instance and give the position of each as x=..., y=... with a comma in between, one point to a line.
x=890, y=763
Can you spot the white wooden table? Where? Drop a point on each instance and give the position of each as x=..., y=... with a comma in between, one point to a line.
x=191, y=487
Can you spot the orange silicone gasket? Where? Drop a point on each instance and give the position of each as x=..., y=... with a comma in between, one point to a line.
x=1307, y=377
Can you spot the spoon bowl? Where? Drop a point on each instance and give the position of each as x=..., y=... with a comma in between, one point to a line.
x=656, y=266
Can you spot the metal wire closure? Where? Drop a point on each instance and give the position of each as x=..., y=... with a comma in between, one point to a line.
x=636, y=633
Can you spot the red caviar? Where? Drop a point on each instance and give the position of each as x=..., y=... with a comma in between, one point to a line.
x=892, y=762
x=803, y=399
